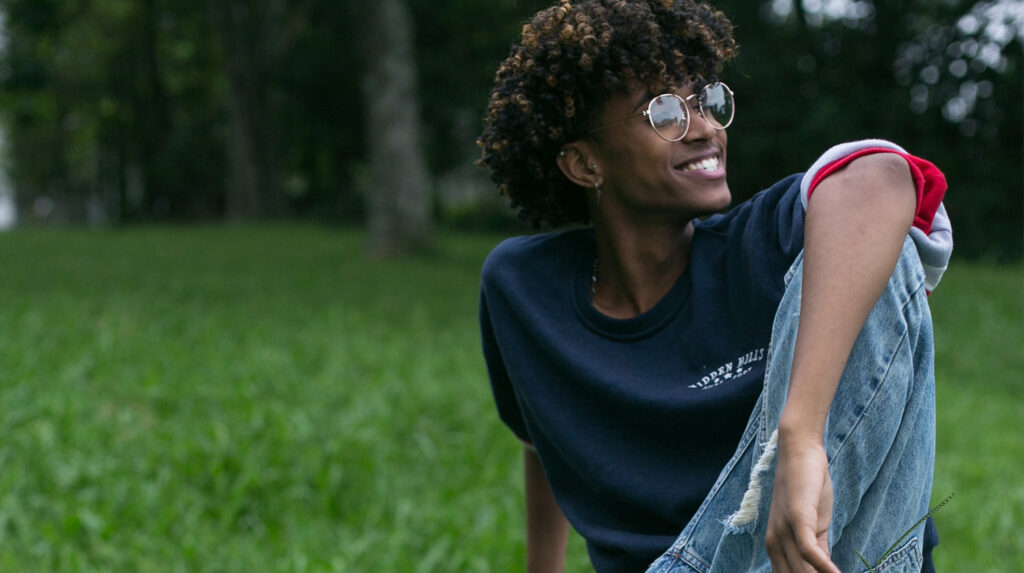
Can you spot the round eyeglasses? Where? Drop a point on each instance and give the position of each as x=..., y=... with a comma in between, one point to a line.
x=669, y=114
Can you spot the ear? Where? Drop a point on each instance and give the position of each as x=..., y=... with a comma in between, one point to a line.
x=575, y=163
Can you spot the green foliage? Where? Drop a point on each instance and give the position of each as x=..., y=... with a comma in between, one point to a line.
x=461, y=43
x=243, y=400
x=321, y=103
x=265, y=399
x=112, y=103
x=979, y=330
x=118, y=110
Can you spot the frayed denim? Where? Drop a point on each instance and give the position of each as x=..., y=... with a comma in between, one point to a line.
x=880, y=441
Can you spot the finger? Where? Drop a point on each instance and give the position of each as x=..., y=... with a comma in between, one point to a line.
x=812, y=555
x=794, y=562
x=776, y=554
x=779, y=563
x=823, y=544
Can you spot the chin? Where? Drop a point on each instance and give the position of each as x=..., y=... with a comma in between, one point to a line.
x=722, y=199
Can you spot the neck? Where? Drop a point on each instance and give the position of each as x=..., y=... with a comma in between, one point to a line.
x=637, y=265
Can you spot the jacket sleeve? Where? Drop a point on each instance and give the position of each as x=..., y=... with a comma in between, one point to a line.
x=931, y=230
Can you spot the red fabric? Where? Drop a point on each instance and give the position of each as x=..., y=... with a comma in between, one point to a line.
x=928, y=180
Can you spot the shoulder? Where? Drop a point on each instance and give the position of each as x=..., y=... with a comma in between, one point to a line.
x=533, y=280
x=784, y=194
x=537, y=255
x=759, y=238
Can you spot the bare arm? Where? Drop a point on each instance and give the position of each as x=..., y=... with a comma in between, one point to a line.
x=856, y=223
x=547, y=530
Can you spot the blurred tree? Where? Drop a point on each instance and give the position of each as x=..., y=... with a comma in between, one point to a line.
x=963, y=63
x=251, y=37
x=322, y=118
x=108, y=106
x=459, y=44
x=139, y=110
x=399, y=205
x=34, y=110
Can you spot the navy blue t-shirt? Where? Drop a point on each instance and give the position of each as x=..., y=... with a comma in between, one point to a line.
x=633, y=419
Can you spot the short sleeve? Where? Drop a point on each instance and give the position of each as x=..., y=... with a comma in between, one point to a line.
x=501, y=386
x=784, y=222
x=748, y=250
x=771, y=225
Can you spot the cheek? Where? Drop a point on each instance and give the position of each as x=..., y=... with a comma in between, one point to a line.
x=626, y=156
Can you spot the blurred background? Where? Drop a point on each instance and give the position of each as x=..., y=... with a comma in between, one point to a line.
x=119, y=112
x=239, y=280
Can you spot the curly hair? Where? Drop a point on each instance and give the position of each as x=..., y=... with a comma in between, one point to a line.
x=573, y=57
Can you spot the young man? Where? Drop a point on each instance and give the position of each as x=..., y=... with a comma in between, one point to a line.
x=761, y=380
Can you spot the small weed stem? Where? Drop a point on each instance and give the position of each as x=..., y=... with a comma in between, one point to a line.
x=888, y=552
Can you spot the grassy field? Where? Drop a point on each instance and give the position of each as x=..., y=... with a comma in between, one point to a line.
x=265, y=399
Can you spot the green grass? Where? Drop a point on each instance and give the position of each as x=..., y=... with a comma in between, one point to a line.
x=265, y=399
x=978, y=312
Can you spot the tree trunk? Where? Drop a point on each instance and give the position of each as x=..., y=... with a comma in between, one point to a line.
x=399, y=217
x=153, y=110
x=253, y=187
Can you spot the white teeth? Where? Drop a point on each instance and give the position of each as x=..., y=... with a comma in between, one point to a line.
x=709, y=164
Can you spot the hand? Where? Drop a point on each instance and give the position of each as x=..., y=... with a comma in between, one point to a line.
x=801, y=510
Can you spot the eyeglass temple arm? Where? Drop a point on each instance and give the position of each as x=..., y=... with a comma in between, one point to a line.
x=617, y=121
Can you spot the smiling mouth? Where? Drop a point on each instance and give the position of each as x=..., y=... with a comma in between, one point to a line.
x=707, y=164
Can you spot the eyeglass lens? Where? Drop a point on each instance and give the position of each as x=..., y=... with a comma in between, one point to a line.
x=670, y=115
x=717, y=104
